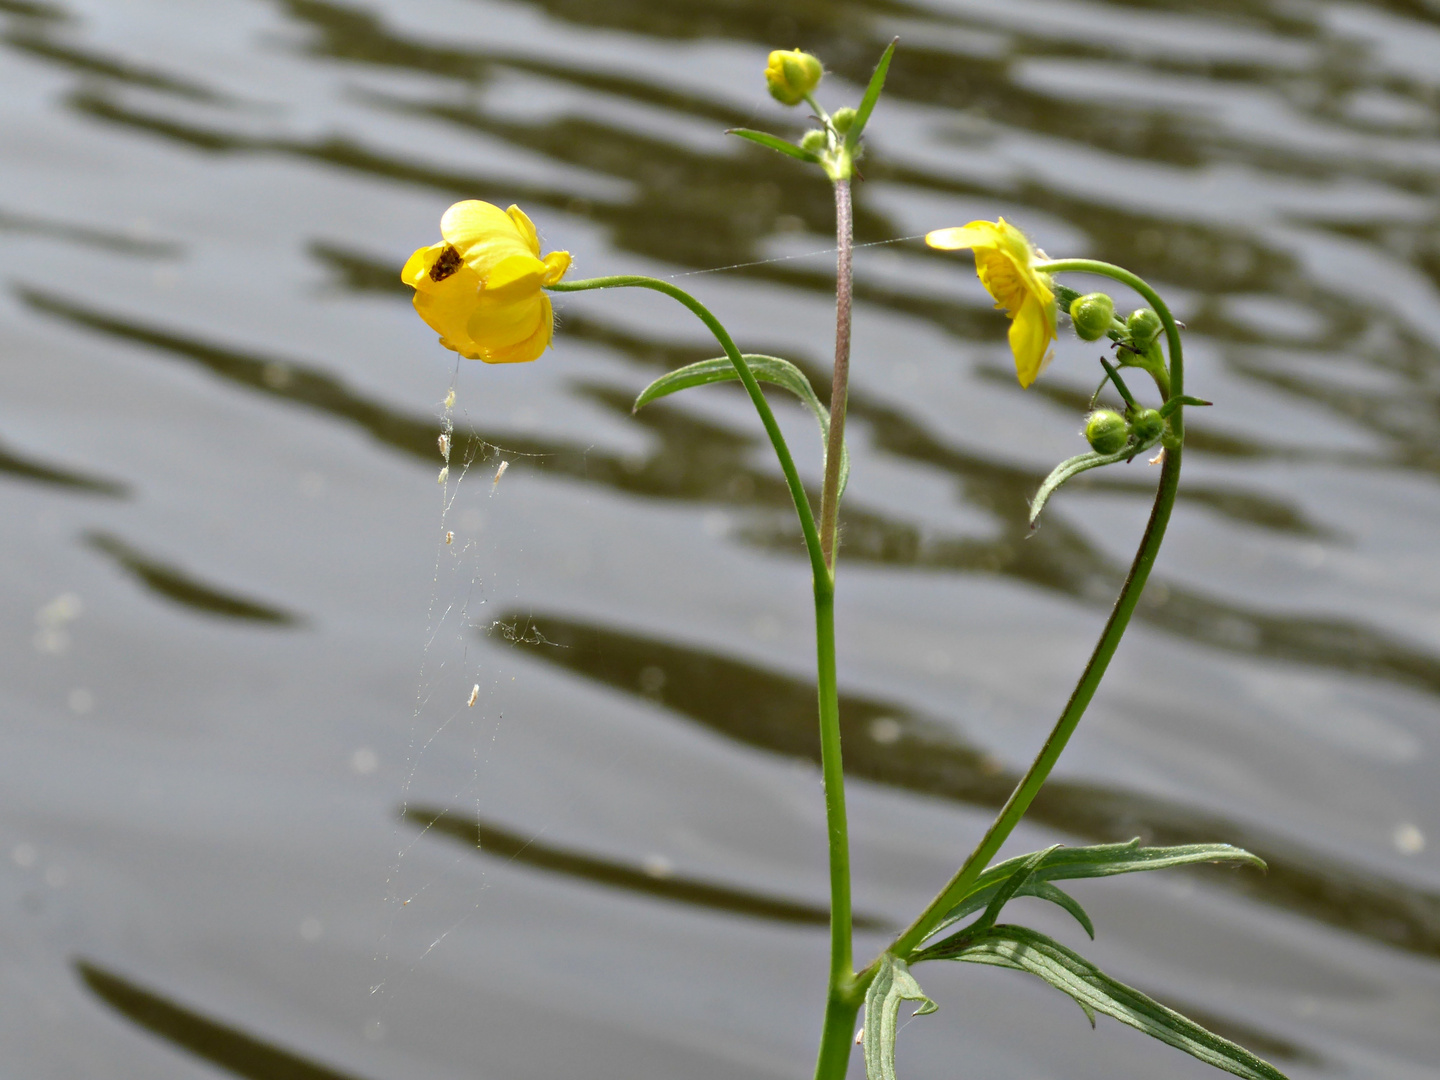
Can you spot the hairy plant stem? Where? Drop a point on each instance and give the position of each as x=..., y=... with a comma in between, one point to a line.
x=841, y=1003
x=1030, y=784
x=840, y=382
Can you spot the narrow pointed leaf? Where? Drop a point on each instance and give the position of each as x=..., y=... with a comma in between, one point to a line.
x=1068, y=470
x=1011, y=885
x=774, y=142
x=872, y=95
x=1096, y=860
x=1041, y=890
x=893, y=984
x=771, y=369
x=1023, y=949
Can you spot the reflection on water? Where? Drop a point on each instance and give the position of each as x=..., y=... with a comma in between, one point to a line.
x=699, y=461
x=177, y=585
x=889, y=744
x=654, y=879
x=212, y=1040
x=1270, y=165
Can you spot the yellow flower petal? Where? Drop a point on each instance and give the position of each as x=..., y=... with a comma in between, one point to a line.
x=530, y=348
x=483, y=234
x=526, y=228
x=556, y=263
x=418, y=265
x=515, y=276
x=1004, y=262
x=1030, y=337
x=498, y=325
x=446, y=308
x=978, y=234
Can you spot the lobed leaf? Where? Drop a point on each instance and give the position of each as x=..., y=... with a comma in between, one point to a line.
x=893, y=984
x=771, y=369
x=774, y=142
x=1096, y=860
x=872, y=95
x=1023, y=949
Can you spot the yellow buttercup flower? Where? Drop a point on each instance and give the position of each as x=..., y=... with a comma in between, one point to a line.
x=1005, y=260
x=480, y=288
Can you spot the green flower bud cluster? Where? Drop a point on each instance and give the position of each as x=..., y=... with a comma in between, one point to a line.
x=1093, y=316
x=792, y=77
x=1108, y=432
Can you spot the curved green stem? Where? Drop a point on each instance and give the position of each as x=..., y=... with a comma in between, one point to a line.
x=1030, y=784
x=752, y=387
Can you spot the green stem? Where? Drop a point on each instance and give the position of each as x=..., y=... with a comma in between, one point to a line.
x=752, y=387
x=840, y=1002
x=1025, y=792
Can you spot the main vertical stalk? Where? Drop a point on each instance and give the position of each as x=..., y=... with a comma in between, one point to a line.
x=840, y=1005
x=840, y=383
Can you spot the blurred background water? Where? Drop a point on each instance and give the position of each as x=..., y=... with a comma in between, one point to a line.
x=242, y=787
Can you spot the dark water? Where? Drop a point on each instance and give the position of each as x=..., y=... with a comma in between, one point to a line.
x=242, y=786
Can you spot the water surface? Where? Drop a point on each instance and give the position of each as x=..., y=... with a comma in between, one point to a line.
x=243, y=788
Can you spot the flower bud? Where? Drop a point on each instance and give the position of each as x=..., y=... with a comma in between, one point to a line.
x=1092, y=315
x=843, y=119
x=1144, y=327
x=791, y=75
x=814, y=141
x=1106, y=431
x=1147, y=425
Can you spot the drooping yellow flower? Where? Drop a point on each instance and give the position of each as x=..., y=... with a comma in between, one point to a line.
x=480, y=288
x=1005, y=260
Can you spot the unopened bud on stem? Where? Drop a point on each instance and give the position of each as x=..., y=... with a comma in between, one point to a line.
x=1106, y=431
x=1093, y=314
x=843, y=118
x=792, y=74
x=815, y=141
x=1147, y=424
x=1144, y=327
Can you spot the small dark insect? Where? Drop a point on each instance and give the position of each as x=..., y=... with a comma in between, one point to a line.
x=448, y=262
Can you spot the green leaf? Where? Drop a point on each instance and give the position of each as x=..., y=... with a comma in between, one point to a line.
x=1010, y=885
x=1096, y=860
x=893, y=984
x=774, y=142
x=1023, y=949
x=872, y=95
x=1042, y=890
x=1068, y=470
x=771, y=369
